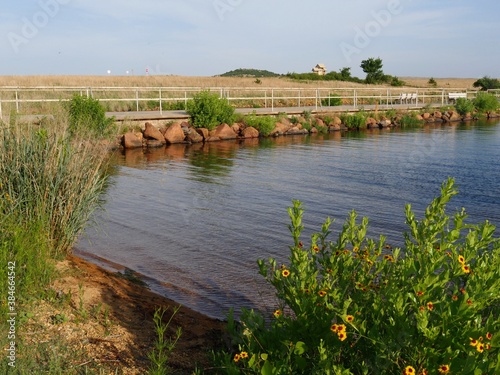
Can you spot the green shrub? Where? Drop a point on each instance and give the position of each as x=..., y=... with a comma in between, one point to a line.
x=485, y=103
x=353, y=121
x=87, y=116
x=464, y=106
x=264, y=124
x=306, y=125
x=331, y=100
x=409, y=120
x=359, y=306
x=207, y=110
x=396, y=82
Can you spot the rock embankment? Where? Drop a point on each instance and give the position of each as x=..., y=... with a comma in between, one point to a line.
x=184, y=132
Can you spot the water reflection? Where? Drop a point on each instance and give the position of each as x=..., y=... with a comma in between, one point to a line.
x=195, y=218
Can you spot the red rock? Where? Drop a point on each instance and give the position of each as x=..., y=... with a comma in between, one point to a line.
x=280, y=128
x=203, y=132
x=223, y=131
x=193, y=136
x=151, y=132
x=250, y=132
x=174, y=134
x=130, y=140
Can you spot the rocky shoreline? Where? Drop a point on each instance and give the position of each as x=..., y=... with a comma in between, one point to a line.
x=183, y=132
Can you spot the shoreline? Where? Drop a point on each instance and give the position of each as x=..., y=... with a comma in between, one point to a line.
x=108, y=320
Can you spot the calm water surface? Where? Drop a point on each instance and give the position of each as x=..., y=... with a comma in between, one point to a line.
x=194, y=219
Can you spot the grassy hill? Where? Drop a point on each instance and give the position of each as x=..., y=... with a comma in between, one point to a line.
x=256, y=73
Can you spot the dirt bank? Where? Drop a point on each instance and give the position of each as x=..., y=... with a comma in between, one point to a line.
x=108, y=320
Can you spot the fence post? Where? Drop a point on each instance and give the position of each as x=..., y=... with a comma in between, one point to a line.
x=272, y=100
x=137, y=100
x=442, y=97
x=316, y=101
x=17, y=102
x=161, y=109
x=355, y=99
x=299, y=98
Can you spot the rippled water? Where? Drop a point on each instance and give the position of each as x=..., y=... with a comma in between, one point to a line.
x=194, y=219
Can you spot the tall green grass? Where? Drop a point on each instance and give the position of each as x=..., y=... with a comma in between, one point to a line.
x=48, y=177
x=51, y=181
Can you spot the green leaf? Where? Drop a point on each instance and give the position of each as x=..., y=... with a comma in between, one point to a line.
x=264, y=356
x=267, y=369
x=300, y=348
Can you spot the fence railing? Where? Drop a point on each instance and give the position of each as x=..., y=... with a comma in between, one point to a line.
x=123, y=99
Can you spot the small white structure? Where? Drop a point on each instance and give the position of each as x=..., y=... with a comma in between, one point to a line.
x=319, y=69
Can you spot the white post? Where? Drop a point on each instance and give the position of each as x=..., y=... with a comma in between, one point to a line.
x=272, y=100
x=299, y=98
x=137, y=100
x=17, y=102
x=316, y=103
x=161, y=110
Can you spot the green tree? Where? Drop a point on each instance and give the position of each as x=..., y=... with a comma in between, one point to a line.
x=345, y=74
x=487, y=83
x=486, y=103
x=373, y=69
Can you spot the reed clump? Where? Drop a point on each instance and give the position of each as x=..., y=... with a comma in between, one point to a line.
x=50, y=176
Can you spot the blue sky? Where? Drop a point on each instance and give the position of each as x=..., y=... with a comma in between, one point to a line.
x=426, y=38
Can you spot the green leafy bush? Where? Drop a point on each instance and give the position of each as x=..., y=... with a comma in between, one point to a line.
x=485, y=103
x=353, y=121
x=359, y=306
x=87, y=116
x=464, y=106
x=264, y=124
x=207, y=110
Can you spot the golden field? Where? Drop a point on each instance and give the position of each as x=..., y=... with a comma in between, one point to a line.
x=194, y=81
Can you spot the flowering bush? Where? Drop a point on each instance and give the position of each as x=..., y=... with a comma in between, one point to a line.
x=358, y=306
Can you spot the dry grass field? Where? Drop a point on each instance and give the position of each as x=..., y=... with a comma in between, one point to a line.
x=140, y=93
x=193, y=81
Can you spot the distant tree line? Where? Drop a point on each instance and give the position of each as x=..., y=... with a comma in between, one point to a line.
x=372, y=67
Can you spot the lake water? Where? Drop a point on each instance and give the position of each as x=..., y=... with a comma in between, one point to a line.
x=193, y=220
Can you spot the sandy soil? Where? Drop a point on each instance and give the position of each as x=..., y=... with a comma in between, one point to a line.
x=110, y=320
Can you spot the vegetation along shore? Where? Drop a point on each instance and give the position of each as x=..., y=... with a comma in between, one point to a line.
x=345, y=304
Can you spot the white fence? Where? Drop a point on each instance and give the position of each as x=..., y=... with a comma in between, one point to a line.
x=31, y=99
